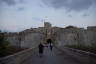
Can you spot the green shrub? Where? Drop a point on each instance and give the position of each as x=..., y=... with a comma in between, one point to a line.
x=3, y=45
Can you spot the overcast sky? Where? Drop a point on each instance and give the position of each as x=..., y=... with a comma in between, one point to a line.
x=17, y=15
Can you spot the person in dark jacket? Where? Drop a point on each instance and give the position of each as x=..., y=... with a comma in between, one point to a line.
x=49, y=41
x=51, y=46
x=41, y=49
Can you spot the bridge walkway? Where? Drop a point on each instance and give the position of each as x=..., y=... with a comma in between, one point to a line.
x=50, y=57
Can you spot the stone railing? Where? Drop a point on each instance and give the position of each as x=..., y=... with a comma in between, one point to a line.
x=17, y=58
x=81, y=56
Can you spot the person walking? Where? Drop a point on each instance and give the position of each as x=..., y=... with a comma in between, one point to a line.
x=41, y=49
x=51, y=46
x=49, y=41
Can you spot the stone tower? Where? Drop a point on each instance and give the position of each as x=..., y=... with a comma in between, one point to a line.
x=47, y=30
x=47, y=25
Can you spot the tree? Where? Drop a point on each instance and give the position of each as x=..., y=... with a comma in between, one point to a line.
x=68, y=27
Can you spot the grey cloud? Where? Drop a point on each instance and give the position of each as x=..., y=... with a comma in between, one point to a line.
x=69, y=15
x=11, y=2
x=94, y=1
x=21, y=8
x=21, y=1
x=85, y=15
x=70, y=5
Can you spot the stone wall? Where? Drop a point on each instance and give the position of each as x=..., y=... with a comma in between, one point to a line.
x=27, y=38
x=76, y=36
x=31, y=40
x=67, y=37
x=13, y=39
x=60, y=36
x=90, y=37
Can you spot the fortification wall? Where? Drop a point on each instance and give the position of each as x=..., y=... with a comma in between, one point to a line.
x=60, y=36
x=69, y=37
x=31, y=40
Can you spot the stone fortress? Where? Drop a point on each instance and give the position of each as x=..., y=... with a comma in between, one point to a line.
x=59, y=36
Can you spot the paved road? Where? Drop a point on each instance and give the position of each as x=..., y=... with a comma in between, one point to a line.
x=54, y=57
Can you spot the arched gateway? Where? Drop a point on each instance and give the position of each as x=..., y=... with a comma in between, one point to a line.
x=49, y=41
